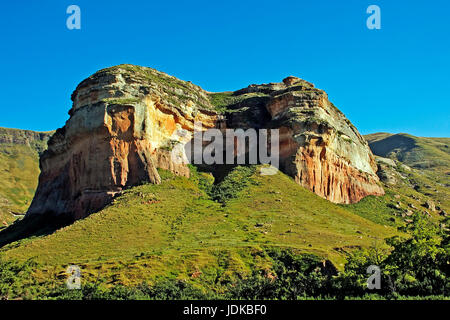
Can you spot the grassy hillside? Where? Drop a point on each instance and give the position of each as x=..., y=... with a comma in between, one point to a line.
x=427, y=172
x=428, y=154
x=19, y=170
x=177, y=230
x=211, y=235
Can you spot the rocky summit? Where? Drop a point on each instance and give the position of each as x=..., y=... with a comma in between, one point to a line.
x=123, y=121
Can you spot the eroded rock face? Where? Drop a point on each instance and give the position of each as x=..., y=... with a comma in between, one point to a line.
x=120, y=130
x=319, y=147
x=125, y=119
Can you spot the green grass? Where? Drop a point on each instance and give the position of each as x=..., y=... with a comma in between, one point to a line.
x=19, y=170
x=144, y=234
x=429, y=159
x=223, y=100
x=121, y=101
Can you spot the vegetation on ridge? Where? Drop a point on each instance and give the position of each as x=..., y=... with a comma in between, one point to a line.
x=19, y=170
x=423, y=165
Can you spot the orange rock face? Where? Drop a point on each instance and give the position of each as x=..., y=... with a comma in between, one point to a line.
x=319, y=147
x=323, y=172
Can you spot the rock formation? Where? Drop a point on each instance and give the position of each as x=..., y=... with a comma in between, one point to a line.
x=319, y=147
x=118, y=134
x=122, y=124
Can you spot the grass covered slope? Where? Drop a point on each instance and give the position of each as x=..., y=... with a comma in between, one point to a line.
x=19, y=170
x=428, y=159
x=428, y=154
x=177, y=230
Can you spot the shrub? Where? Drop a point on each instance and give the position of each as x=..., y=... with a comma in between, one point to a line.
x=294, y=276
x=12, y=277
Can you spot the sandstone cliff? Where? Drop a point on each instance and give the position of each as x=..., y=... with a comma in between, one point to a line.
x=319, y=147
x=118, y=134
x=122, y=126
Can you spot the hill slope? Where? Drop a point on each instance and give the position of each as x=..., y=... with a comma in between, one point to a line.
x=19, y=170
x=212, y=234
x=176, y=229
x=417, y=152
x=427, y=170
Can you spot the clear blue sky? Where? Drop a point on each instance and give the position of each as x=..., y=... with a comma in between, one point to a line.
x=396, y=79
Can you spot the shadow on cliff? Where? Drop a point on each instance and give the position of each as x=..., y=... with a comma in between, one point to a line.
x=33, y=226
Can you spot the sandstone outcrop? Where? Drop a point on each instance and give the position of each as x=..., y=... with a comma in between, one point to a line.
x=118, y=134
x=125, y=119
x=319, y=147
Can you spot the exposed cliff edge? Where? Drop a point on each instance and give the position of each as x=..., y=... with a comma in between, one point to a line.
x=123, y=119
x=319, y=146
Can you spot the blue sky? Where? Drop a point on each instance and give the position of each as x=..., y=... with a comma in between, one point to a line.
x=395, y=79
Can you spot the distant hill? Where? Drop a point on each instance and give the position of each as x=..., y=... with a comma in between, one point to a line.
x=416, y=152
x=19, y=170
x=427, y=158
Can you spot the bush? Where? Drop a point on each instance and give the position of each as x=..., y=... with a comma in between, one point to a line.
x=165, y=289
x=419, y=265
x=13, y=275
x=416, y=266
x=293, y=276
x=234, y=182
